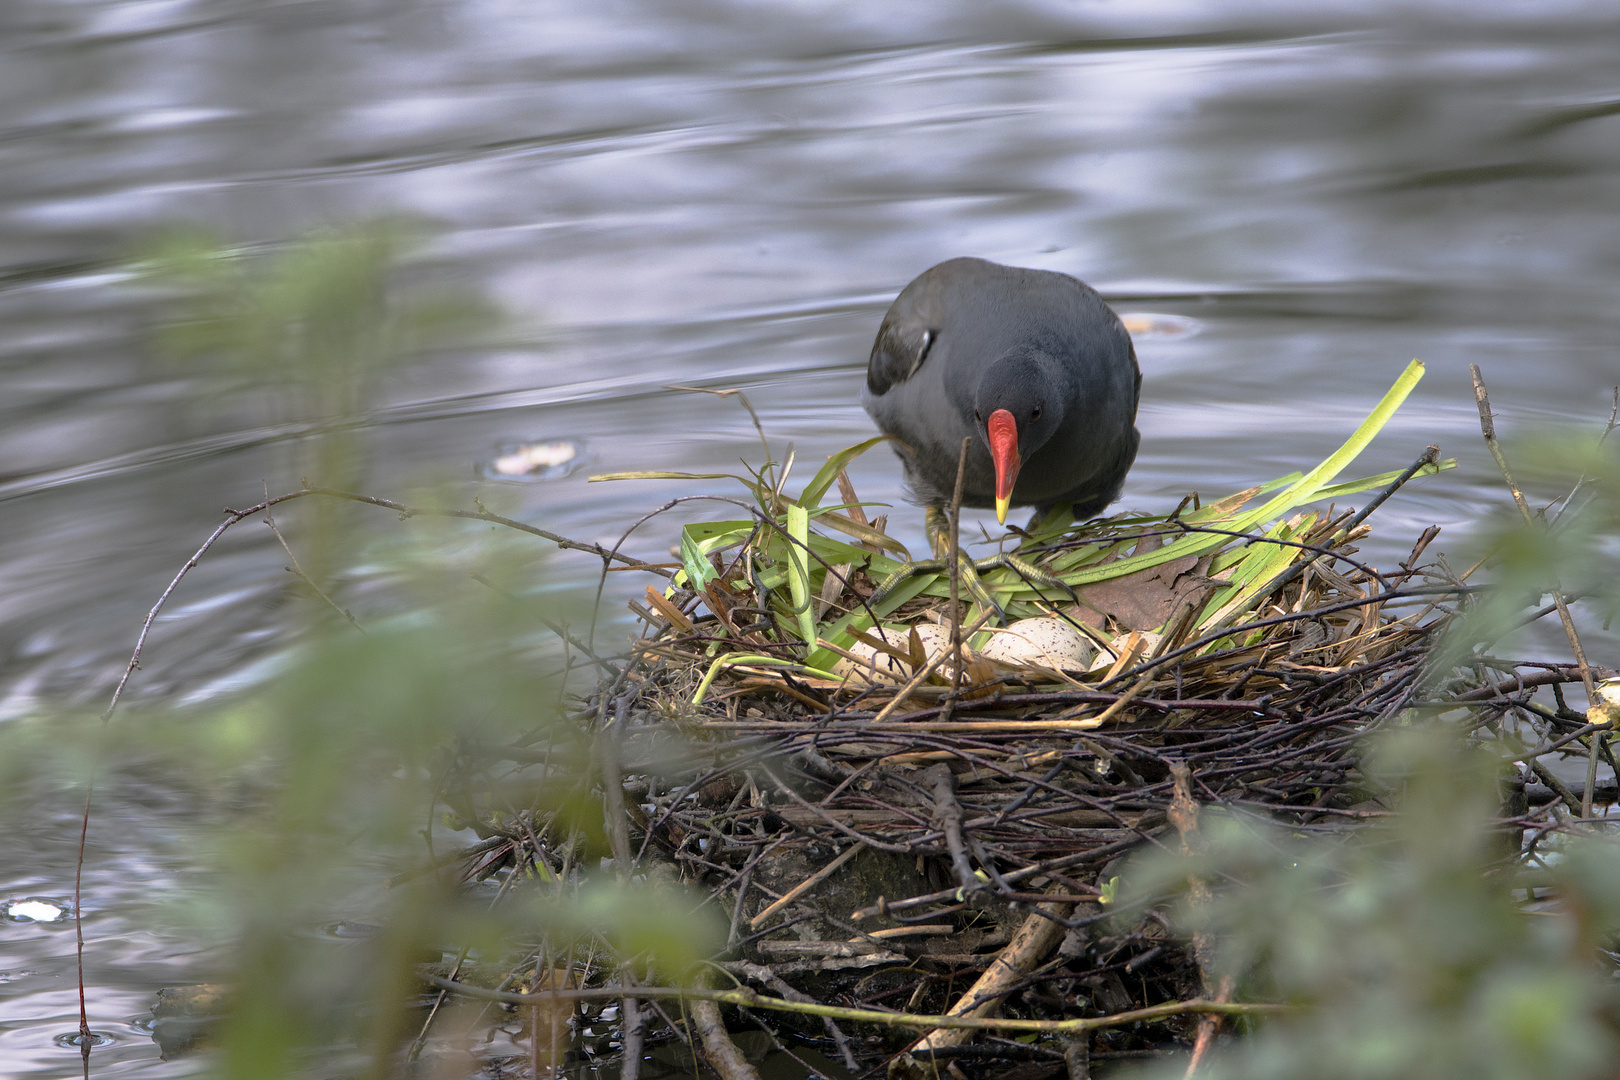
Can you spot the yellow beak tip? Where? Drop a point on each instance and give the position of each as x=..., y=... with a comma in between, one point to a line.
x=1001, y=510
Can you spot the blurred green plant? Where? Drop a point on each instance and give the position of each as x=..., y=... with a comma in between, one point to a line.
x=333, y=777
x=1557, y=541
x=307, y=329
x=325, y=314
x=1405, y=951
x=1403, y=956
x=1572, y=482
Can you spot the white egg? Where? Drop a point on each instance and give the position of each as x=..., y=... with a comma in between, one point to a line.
x=1040, y=642
x=1140, y=643
x=1606, y=703
x=881, y=667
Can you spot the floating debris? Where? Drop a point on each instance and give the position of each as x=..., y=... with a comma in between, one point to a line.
x=36, y=909
x=550, y=459
x=184, y=1015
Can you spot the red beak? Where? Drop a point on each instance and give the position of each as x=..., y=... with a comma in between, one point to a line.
x=1002, y=434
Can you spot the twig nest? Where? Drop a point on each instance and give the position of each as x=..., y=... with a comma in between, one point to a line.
x=1044, y=642
x=873, y=665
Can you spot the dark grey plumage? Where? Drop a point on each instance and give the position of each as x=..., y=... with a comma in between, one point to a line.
x=968, y=337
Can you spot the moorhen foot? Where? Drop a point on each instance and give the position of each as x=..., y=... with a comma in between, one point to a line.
x=1033, y=369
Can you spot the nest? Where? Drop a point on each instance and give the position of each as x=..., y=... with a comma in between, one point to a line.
x=889, y=816
x=887, y=843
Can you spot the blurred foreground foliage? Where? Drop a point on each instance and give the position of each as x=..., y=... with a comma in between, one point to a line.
x=323, y=317
x=328, y=791
x=1404, y=950
x=1572, y=483
x=364, y=744
x=329, y=794
x=304, y=334
x=1430, y=945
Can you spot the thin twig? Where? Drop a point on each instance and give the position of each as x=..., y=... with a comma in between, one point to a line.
x=955, y=556
x=806, y=885
x=748, y=999
x=1487, y=426
x=298, y=571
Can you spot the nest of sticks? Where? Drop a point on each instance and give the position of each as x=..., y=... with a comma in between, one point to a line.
x=945, y=840
x=915, y=847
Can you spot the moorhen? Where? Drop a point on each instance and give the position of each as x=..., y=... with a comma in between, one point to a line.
x=1031, y=366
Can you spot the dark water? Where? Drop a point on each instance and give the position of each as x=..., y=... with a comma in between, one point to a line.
x=728, y=195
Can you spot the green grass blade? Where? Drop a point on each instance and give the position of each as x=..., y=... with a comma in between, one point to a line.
x=731, y=660
x=1312, y=482
x=798, y=567
x=1303, y=490
x=838, y=633
x=699, y=572
x=811, y=496
x=1382, y=480
x=1254, y=572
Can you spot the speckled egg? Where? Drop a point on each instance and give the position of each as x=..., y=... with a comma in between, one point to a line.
x=1040, y=642
x=891, y=669
x=1141, y=642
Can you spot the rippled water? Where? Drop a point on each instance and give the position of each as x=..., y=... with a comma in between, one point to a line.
x=728, y=195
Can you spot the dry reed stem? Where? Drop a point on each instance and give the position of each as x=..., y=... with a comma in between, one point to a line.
x=723, y=1056
x=1038, y=935
x=806, y=885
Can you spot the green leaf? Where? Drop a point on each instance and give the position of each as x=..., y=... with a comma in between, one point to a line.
x=838, y=633
x=811, y=496
x=699, y=572
x=1309, y=486
x=1258, y=567
x=1306, y=489
x=798, y=567
x=706, y=533
x=1382, y=480
x=735, y=659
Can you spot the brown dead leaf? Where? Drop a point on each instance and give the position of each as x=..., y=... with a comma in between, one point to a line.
x=1229, y=505
x=1143, y=600
x=919, y=655
x=980, y=675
